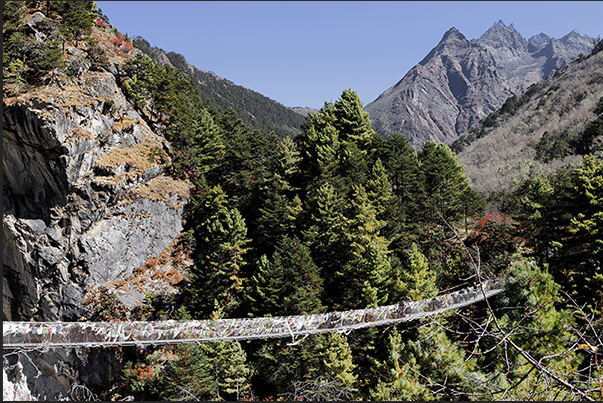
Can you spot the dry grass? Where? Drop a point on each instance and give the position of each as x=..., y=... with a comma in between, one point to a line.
x=157, y=188
x=134, y=159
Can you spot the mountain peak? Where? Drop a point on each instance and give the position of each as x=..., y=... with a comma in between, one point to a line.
x=452, y=34
x=452, y=39
x=502, y=36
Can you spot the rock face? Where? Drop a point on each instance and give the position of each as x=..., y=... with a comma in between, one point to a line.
x=87, y=206
x=82, y=202
x=83, y=208
x=460, y=81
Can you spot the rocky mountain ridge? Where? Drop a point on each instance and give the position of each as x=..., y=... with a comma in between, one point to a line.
x=461, y=81
x=89, y=209
x=546, y=129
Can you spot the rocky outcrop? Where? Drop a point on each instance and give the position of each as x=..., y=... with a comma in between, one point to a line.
x=83, y=203
x=87, y=206
x=84, y=206
x=460, y=81
x=522, y=62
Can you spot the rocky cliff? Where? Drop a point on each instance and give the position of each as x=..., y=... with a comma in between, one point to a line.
x=88, y=210
x=461, y=81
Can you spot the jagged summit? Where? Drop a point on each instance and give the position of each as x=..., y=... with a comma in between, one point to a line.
x=460, y=81
x=452, y=39
x=502, y=36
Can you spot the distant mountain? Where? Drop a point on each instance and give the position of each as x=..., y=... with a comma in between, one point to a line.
x=549, y=126
x=460, y=81
x=305, y=111
x=254, y=109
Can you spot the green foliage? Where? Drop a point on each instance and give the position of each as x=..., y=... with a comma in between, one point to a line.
x=542, y=335
x=31, y=52
x=207, y=371
x=550, y=148
x=280, y=205
x=221, y=238
x=255, y=110
x=287, y=284
x=331, y=216
x=78, y=18
x=418, y=279
x=447, y=189
x=318, y=359
x=559, y=218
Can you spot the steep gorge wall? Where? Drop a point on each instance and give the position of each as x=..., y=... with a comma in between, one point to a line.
x=84, y=206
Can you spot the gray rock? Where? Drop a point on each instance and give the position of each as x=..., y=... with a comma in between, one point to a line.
x=460, y=81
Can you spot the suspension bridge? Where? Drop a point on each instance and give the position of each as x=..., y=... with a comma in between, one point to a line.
x=45, y=335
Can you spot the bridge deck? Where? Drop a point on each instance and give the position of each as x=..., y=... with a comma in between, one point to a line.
x=42, y=335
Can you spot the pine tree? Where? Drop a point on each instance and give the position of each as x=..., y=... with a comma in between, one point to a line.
x=207, y=371
x=432, y=367
x=326, y=227
x=419, y=281
x=221, y=238
x=545, y=329
x=583, y=245
x=445, y=182
x=280, y=205
x=78, y=18
x=363, y=280
x=287, y=284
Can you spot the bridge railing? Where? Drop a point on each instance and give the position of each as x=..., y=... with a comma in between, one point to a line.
x=91, y=334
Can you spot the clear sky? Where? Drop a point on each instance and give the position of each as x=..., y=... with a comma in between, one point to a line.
x=303, y=53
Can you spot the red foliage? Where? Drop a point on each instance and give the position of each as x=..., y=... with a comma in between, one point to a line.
x=100, y=22
x=151, y=263
x=128, y=46
x=121, y=40
x=497, y=218
x=144, y=372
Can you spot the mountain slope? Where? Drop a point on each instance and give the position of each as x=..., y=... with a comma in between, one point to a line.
x=254, y=109
x=460, y=81
x=454, y=86
x=538, y=132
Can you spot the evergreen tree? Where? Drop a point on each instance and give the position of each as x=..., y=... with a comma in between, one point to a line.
x=363, y=280
x=583, y=246
x=446, y=185
x=405, y=174
x=432, y=367
x=221, y=238
x=419, y=281
x=319, y=359
x=78, y=18
x=207, y=371
x=537, y=329
x=280, y=205
x=288, y=284
x=244, y=167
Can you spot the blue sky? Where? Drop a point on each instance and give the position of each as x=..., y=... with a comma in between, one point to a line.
x=303, y=53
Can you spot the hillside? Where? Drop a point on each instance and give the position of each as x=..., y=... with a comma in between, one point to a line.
x=461, y=81
x=537, y=132
x=254, y=109
x=131, y=208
